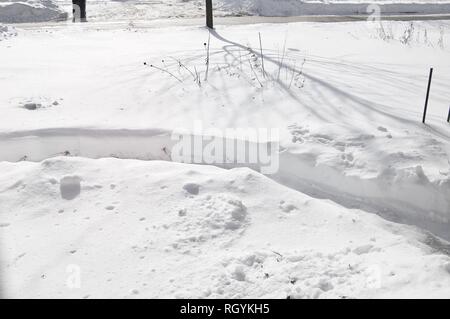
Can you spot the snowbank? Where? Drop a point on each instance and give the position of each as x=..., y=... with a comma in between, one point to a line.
x=109, y=228
x=30, y=11
x=138, y=10
x=298, y=7
x=7, y=32
x=400, y=194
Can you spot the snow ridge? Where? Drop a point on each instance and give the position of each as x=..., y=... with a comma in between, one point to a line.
x=402, y=195
x=131, y=230
x=30, y=11
x=285, y=8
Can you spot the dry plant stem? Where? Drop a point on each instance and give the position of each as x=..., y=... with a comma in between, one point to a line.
x=282, y=60
x=256, y=76
x=168, y=72
x=207, y=57
x=293, y=74
x=240, y=59
x=184, y=67
x=197, y=77
x=262, y=56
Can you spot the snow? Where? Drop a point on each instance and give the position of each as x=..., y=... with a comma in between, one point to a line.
x=7, y=32
x=13, y=11
x=145, y=10
x=130, y=229
x=333, y=7
x=93, y=203
x=25, y=11
x=388, y=163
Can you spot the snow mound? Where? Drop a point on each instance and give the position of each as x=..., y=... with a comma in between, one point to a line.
x=210, y=218
x=125, y=228
x=30, y=11
x=297, y=7
x=7, y=32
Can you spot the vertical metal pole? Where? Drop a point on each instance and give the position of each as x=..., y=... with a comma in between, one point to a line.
x=448, y=116
x=428, y=95
x=209, y=14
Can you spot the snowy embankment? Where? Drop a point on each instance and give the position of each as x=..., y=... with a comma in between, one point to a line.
x=401, y=194
x=20, y=11
x=143, y=10
x=7, y=32
x=137, y=229
x=297, y=7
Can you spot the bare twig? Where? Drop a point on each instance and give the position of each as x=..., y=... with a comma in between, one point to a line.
x=207, y=57
x=293, y=75
x=251, y=67
x=199, y=82
x=240, y=59
x=165, y=71
x=262, y=56
x=181, y=65
x=282, y=60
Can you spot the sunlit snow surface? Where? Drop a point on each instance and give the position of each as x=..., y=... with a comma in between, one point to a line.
x=85, y=213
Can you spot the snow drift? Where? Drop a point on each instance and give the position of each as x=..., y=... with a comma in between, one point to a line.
x=7, y=32
x=13, y=11
x=298, y=7
x=109, y=228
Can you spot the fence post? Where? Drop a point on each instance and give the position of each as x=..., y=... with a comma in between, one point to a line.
x=79, y=10
x=448, y=116
x=209, y=14
x=428, y=95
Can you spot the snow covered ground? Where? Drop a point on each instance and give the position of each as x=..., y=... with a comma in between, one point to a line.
x=16, y=11
x=354, y=157
x=106, y=10
x=333, y=7
x=7, y=32
x=109, y=228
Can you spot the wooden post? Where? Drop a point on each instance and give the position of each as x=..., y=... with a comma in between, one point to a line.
x=428, y=95
x=209, y=14
x=79, y=10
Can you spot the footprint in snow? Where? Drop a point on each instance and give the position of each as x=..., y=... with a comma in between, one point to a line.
x=363, y=249
x=447, y=267
x=192, y=188
x=287, y=208
x=70, y=187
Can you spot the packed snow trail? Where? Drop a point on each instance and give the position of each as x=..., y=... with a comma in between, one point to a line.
x=406, y=196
